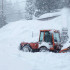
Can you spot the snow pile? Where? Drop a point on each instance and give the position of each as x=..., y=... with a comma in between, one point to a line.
x=50, y=15
x=67, y=44
x=13, y=33
x=23, y=30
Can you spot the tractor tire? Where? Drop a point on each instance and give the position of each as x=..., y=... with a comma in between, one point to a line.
x=27, y=48
x=43, y=49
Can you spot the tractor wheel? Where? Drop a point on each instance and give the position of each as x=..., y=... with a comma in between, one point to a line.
x=43, y=49
x=27, y=48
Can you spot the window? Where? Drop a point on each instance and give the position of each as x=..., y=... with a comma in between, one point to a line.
x=48, y=37
x=56, y=37
x=41, y=36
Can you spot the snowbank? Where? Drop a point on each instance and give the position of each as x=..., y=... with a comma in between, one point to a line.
x=49, y=15
x=23, y=30
x=67, y=44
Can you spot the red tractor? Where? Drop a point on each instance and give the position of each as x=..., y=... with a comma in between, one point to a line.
x=49, y=40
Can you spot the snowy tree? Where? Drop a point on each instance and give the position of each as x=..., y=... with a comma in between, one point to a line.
x=18, y=12
x=66, y=3
x=10, y=12
x=2, y=16
x=2, y=20
x=30, y=8
x=45, y=6
x=13, y=11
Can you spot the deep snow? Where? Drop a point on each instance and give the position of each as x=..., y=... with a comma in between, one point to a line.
x=15, y=32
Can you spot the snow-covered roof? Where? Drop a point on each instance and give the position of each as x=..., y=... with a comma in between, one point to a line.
x=47, y=15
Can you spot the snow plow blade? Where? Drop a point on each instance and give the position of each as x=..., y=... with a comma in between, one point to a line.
x=65, y=50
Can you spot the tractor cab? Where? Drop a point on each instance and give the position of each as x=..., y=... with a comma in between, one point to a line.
x=52, y=38
x=49, y=36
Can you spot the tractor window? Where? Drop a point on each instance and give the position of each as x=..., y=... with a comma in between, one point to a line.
x=48, y=37
x=41, y=36
x=56, y=37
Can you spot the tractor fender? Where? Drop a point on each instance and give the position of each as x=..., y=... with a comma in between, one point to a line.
x=24, y=44
x=44, y=44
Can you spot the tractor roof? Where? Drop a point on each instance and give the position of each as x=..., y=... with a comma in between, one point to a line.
x=49, y=30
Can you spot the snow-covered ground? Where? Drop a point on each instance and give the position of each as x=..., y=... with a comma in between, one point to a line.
x=15, y=32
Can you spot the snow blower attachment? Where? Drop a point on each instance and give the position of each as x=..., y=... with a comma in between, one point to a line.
x=65, y=50
x=49, y=40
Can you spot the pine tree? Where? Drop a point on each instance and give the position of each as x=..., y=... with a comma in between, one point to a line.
x=30, y=8
x=44, y=6
x=2, y=15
